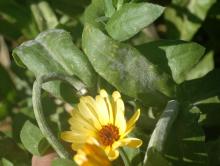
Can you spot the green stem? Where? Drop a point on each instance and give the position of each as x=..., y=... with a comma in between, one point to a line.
x=124, y=157
x=162, y=129
x=119, y=4
x=38, y=109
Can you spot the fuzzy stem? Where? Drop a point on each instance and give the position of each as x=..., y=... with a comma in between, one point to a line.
x=38, y=109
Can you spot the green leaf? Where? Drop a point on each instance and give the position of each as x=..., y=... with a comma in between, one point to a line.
x=155, y=158
x=6, y=162
x=132, y=18
x=176, y=56
x=185, y=143
x=184, y=18
x=17, y=16
x=214, y=151
x=33, y=140
x=44, y=15
x=199, y=89
x=210, y=114
x=109, y=8
x=11, y=153
x=205, y=65
x=63, y=162
x=95, y=14
x=54, y=51
x=125, y=68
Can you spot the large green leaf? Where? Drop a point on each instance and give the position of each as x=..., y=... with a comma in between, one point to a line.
x=33, y=140
x=131, y=18
x=184, y=17
x=185, y=145
x=54, y=51
x=176, y=56
x=125, y=68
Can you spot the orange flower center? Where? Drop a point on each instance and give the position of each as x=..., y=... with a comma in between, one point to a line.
x=108, y=134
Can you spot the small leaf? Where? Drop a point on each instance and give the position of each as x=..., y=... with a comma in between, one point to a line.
x=95, y=14
x=109, y=8
x=126, y=69
x=205, y=65
x=178, y=56
x=33, y=140
x=63, y=162
x=131, y=18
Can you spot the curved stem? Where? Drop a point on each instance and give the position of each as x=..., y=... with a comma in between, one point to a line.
x=38, y=110
x=124, y=157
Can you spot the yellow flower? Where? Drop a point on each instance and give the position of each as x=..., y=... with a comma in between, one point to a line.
x=91, y=155
x=103, y=119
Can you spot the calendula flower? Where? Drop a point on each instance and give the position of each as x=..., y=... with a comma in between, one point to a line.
x=91, y=155
x=102, y=118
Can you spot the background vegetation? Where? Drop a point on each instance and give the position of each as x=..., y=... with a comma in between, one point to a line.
x=197, y=80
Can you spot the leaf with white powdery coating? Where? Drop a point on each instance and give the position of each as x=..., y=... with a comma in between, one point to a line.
x=126, y=69
x=54, y=51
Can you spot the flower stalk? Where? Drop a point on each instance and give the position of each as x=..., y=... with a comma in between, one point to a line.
x=38, y=109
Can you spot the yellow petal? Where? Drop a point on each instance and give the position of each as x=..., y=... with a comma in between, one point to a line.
x=91, y=155
x=116, y=95
x=120, y=120
x=80, y=158
x=113, y=154
x=70, y=136
x=131, y=142
x=76, y=146
x=91, y=104
x=131, y=122
x=105, y=96
x=88, y=115
x=78, y=123
x=102, y=110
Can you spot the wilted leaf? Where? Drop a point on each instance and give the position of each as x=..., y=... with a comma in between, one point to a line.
x=33, y=140
x=131, y=18
x=126, y=69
